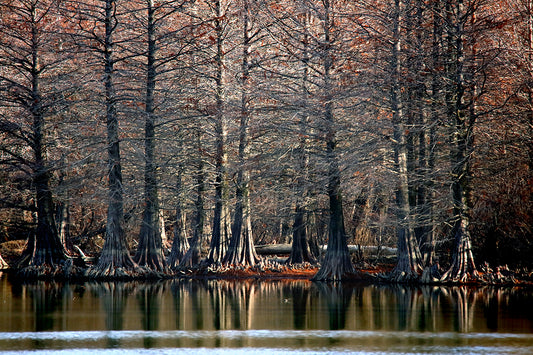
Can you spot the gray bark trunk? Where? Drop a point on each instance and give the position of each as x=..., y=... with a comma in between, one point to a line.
x=115, y=260
x=301, y=251
x=193, y=255
x=336, y=264
x=463, y=267
x=221, y=232
x=180, y=245
x=408, y=266
x=44, y=253
x=241, y=250
x=150, y=249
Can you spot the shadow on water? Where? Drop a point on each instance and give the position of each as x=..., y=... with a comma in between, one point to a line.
x=242, y=314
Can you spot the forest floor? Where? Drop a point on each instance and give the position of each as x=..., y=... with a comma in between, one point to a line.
x=273, y=268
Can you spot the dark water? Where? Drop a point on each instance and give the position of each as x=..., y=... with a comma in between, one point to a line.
x=245, y=317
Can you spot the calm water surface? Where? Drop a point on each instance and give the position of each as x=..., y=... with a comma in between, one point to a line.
x=253, y=317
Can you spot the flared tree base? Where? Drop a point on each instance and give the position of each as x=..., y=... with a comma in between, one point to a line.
x=63, y=270
x=336, y=266
x=463, y=268
x=117, y=267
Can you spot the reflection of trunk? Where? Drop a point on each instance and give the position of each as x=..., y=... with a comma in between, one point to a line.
x=240, y=298
x=463, y=266
x=217, y=300
x=221, y=219
x=300, y=295
x=336, y=263
x=113, y=296
x=338, y=299
x=241, y=250
x=115, y=260
x=463, y=298
x=192, y=257
x=149, y=304
x=47, y=299
x=408, y=264
x=180, y=245
x=150, y=250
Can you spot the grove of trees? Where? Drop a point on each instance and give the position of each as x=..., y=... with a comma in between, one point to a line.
x=164, y=135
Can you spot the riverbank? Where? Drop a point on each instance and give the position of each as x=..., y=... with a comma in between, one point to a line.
x=274, y=268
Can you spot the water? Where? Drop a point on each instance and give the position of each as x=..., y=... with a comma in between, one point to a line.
x=260, y=317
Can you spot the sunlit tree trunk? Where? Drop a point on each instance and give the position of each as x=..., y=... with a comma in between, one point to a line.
x=408, y=265
x=463, y=267
x=150, y=249
x=241, y=250
x=221, y=231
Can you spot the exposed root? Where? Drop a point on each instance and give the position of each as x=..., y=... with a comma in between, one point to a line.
x=63, y=271
x=335, y=269
x=399, y=276
x=3, y=264
x=430, y=275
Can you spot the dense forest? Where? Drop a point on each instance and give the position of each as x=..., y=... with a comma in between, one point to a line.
x=165, y=135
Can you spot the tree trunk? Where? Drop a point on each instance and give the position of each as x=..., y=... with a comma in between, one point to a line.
x=180, y=245
x=44, y=254
x=428, y=240
x=241, y=250
x=301, y=251
x=336, y=264
x=221, y=231
x=150, y=249
x=192, y=257
x=115, y=260
x=408, y=265
x=463, y=267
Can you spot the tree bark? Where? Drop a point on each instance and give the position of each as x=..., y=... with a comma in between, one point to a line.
x=44, y=254
x=241, y=250
x=408, y=266
x=193, y=255
x=150, y=249
x=336, y=264
x=180, y=245
x=115, y=260
x=463, y=267
x=301, y=251
x=221, y=232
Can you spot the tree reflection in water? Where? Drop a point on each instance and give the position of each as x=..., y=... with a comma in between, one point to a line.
x=338, y=299
x=220, y=305
x=149, y=297
x=113, y=296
